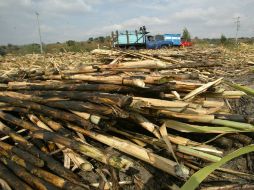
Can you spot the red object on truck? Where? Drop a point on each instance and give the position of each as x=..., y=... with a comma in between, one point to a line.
x=185, y=44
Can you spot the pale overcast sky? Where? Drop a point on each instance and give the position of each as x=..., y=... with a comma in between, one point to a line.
x=63, y=20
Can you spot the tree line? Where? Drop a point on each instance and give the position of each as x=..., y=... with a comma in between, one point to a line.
x=93, y=42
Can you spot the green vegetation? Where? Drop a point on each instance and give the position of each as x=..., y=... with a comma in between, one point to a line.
x=223, y=39
x=186, y=35
x=228, y=43
x=245, y=89
x=194, y=181
x=68, y=46
x=2, y=50
x=105, y=42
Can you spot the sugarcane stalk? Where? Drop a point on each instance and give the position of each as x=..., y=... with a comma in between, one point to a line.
x=15, y=182
x=157, y=103
x=59, y=114
x=19, y=132
x=208, y=119
x=142, y=121
x=64, y=104
x=83, y=69
x=146, y=64
x=179, y=86
x=28, y=97
x=100, y=79
x=245, y=89
x=87, y=116
x=233, y=124
x=160, y=79
x=79, y=161
x=133, y=150
x=49, y=161
x=225, y=94
x=210, y=103
x=196, y=153
x=138, y=142
x=96, y=97
x=118, y=70
x=88, y=150
x=45, y=175
x=3, y=86
x=23, y=154
x=4, y=185
x=75, y=158
x=151, y=140
x=190, y=117
x=183, y=86
x=56, y=126
x=11, y=108
x=16, y=121
x=90, y=107
x=41, y=145
x=141, y=137
x=188, y=128
x=81, y=106
x=185, y=156
x=178, y=140
x=68, y=87
x=30, y=179
x=3, y=104
x=167, y=96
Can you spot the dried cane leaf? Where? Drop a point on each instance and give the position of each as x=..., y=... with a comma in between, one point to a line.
x=201, y=89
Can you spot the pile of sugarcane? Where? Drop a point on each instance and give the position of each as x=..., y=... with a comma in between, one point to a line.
x=208, y=61
x=56, y=123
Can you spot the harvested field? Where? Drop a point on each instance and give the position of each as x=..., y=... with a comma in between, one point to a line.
x=145, y=119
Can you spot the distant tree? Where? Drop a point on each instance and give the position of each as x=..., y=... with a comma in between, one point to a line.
x=3, y=50
x=101, y=39
x=12, y=47
x=108, y=38
x=9, y=46
x=196, y=39
x=70, y=43
x=186, y=35
x=223, y=39
x=90, y=40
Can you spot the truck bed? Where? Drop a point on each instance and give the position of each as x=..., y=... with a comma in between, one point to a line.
x=129, y=38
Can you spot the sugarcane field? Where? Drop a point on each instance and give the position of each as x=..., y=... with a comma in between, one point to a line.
x=126, y=95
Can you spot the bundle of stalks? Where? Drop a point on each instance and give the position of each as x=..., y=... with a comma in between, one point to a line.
x=139, y=108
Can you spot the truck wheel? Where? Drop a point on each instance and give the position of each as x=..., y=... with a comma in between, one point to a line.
x=132, y=48
x=164, y=47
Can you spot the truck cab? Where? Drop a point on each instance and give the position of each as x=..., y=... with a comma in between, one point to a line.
x=163, y=41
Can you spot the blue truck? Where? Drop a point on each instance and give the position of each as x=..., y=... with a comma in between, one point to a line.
x=141, y=39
